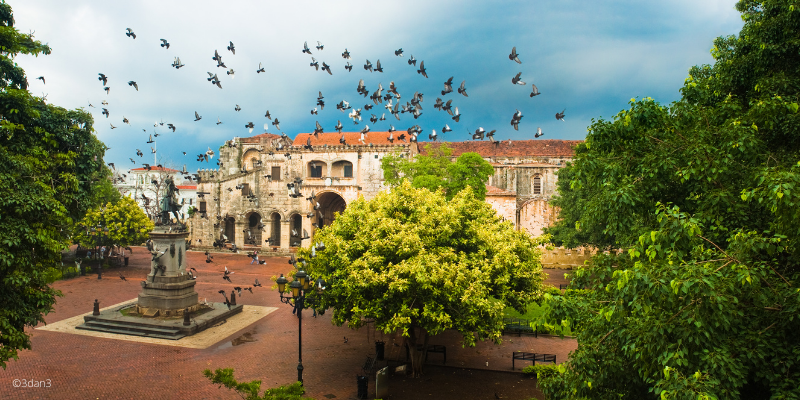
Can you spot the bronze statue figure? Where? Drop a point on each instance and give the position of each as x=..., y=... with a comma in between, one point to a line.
x=169, y=202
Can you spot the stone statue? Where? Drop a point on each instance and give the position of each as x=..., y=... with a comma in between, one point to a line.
x=169, y=202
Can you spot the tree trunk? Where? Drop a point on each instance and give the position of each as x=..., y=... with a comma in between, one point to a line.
x=417, y=356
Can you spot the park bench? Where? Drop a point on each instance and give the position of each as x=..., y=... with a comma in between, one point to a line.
x=533, y=357
x=432, y=348
x=519, y=326
x=563, y=286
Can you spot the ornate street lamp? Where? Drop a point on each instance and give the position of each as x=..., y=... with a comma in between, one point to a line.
x=299, y=287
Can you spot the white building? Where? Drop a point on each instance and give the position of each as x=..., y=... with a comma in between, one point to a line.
x=146, y=187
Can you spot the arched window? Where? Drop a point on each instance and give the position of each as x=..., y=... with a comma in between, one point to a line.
x=343, y=169
x=537, y=184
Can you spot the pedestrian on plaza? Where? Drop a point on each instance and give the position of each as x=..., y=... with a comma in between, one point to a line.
x=102, y=251
x=255, y=258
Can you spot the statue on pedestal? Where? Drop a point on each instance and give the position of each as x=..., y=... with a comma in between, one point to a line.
x=169, y=203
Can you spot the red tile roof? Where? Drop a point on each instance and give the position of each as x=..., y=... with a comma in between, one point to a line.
x=257, y=138
x=496, y=191
x=187, y=187
x=351, y=138
x=156, y=169
x=513, y=148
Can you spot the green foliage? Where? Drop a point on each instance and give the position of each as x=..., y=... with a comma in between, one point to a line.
x=543, y=370
x=436, y=171
x=411, y=260
x=49, y=159
x=127, y=225
x=249, y=390
x=702, y=195
x=103, y=190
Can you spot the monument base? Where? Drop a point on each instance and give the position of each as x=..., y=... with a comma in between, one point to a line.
x=115, y=321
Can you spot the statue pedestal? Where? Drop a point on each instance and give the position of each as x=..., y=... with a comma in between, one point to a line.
x=168, y=290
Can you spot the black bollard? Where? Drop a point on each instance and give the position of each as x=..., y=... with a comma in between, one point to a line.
x=233, y=297
x=379, y=348
x=186, y=321
x=96, y=310
x=362, y=386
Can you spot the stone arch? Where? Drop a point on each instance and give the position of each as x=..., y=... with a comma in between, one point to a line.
x=230, y=229
x=535, y=215
x=251, y=159
x=275, y=228
x=254, y=229
x=316, y=169
x=330, y=203
x=295, y=229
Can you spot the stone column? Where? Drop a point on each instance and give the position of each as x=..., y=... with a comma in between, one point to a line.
x=286, y=232
x=240, y=226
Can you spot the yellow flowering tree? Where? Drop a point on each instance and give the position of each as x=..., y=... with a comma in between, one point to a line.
x=416, y=263
x=127, y=225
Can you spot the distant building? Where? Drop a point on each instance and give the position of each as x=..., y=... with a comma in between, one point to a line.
x=146, y=187
x=247, y=199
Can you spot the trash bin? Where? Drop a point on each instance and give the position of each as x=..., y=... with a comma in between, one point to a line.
x=382, y=383
x=379, y=348
x=126, y=261
x=362, y=386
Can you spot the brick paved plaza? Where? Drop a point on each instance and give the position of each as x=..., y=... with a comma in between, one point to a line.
x=87, y=367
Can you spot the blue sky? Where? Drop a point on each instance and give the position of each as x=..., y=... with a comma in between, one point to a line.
x=587, y=57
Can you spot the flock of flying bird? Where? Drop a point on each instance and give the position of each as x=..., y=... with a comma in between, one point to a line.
x=391, y=96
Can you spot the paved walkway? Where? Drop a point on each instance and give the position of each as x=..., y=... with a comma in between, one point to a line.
x=85, y=367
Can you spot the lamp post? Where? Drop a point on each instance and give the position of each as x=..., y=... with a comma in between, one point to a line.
x=99, y=235
x=299, y=287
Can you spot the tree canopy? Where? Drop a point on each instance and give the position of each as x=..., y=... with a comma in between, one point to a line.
x=49, y=162
x=125, y=221
x=436, y=170
x=703, y=196
x=418, y=264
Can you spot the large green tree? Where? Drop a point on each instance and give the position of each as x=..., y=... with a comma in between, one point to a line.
x=49, y=161
x=703, y=196
x=436, y=169
x=418, y=264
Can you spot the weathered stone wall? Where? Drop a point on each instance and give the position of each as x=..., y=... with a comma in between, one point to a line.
x=504, y=205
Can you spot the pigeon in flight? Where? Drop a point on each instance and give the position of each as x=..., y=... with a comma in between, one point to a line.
x=399, y=52
x=260, y=69
x=515, y=119
x=125, y=120
x=107, y=89
x=177, y=63
x=250, y=126
x=105, y=112
x=538, y=132
x=378, y=67
x=338, y=128
x=112, y=126
x=275, y=123
x=130, y=33
x=421, y=69
x=432, y=136
x=237, y=108
x=535, y=91
x=171, y=126
x=132, y=83
x=103, y=78
x=314, y=63
x=412, y=61
x=514, y=56
x=320, y=46
x=231, y=72
x=268, y=116
x=305, y=48
x=218, y=121
x=139, y=153
x=349, y=67
x=448, y=88
x=326, y=67
x=42, y=78
x=456, y=115
x=150, y=140
x=368, y=66
x=314, y=111
x=517, y=80
x=446, y=129
x=463, y=89
x=318, y=129
x=197, y=116
x=132, y=160
x=164, y=43
x=346, y=54
x=232, y=48
x=560, y=116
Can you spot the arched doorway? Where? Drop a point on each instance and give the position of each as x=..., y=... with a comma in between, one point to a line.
x=254, y=229
x=275, y=235
x=230, y=230
x=330, y=203
x=295, y=237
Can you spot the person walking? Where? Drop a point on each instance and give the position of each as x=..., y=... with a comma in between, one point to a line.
x=255, y=257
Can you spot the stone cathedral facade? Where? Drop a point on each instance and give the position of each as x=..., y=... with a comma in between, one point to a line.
x=247, y=200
